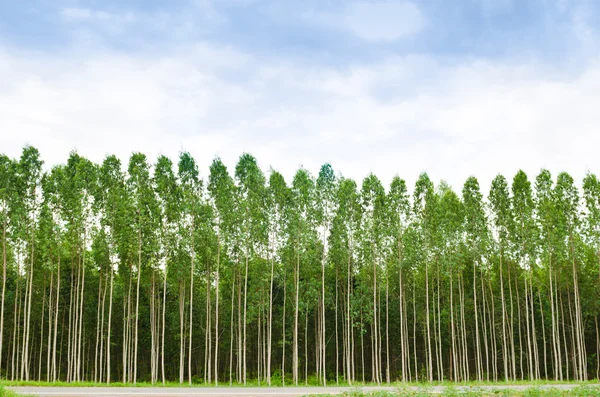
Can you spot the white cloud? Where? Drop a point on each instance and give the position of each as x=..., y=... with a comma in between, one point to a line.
x=373, y=20
x=451, y=121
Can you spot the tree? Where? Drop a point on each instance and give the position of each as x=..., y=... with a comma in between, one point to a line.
x=476, y=242
x=503, y=222
x=278, y=206
x=191, y=205
x=251, y=205
x=7, y=173
x=144, y=265
x=146, y=214
x=169, y=197
x=398, y=205
x=221, y=189
x=325, y=189
x=372, y=245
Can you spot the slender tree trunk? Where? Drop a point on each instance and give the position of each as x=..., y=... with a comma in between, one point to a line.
x=217, y=283
x=270, y=320
x=41, y=331
x=322, y=347
x=100, y=376
x=3, y=289
x=429, y=355
x=337, y=349
x=477, y=347
x=50, y=321
x=543, y=336
x=137, y=306
x=96, y=355
x=295, y=336
x=245, y=312
x=181, y=331
x=164, y=328
x=54, y=368
x=283, y=330
x=415, y=330
x=504, y=337
x=108, y=332
x=191, y=317
x=387, y=330
x=349, y=324
x=231, y=330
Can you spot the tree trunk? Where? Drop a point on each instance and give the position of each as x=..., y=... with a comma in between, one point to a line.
x=108, y=332
x=3, y=289
x=191, y=316
x=217, y=282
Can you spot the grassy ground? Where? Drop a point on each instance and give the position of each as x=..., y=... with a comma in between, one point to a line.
x=585, y=389
x=8, y=393
x=580, y=391
x=277, y=383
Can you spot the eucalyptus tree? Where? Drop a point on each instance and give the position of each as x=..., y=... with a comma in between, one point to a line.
x=424, y=210
x=372, y=231
x=146, y=214
x=568, y=224
x=52, y=186
x=116, y=213
x=278, y=203
x=28, y=181
x=301, y=224
x=76, y=185
x=191, y=202
x=169, y=196
x=591, y=195
x=7, y=173
x=45, y=242
x=398, y=205
x=524, y=242
x=476, y=234
x=100, y=255
x=342, y=248
x=221, y=190
x=325, y=202
x=452, y=228
x=251, y=193
x=546, y=217
x=499, y=200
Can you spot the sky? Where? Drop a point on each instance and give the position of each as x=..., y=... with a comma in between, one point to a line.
x=393, y=87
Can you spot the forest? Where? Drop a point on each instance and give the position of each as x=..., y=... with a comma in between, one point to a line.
x=148, y=272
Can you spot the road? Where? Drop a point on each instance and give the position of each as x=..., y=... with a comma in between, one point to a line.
x=236, y=391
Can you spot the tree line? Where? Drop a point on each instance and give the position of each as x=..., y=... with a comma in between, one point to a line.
x=150, y=273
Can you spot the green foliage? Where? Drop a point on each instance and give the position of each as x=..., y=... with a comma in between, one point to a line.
x=456, y=286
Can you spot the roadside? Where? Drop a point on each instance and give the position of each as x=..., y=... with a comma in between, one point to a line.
x=522, y=390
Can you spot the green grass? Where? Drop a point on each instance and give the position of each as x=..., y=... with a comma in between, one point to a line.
x=534, y=391
x=8, y=393
x=276, y=382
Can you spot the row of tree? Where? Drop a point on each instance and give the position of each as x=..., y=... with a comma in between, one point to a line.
x=153, y=274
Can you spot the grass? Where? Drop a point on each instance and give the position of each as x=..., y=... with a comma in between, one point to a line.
x=276, y=382
x=451, y=391
x=8, y=393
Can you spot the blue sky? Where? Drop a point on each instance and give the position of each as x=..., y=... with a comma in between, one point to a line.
x=394, y=87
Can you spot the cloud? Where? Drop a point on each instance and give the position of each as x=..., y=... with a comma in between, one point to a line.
x=451, y=120
x=385, y=20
